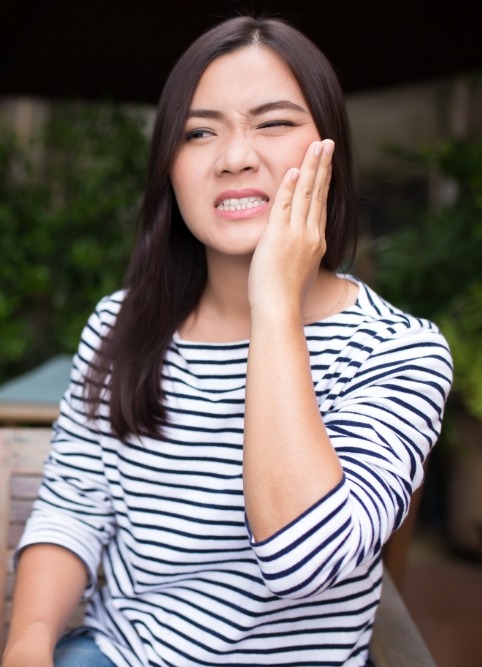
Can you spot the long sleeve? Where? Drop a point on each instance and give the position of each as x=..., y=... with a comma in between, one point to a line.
x=383, y=415
x=74, y=507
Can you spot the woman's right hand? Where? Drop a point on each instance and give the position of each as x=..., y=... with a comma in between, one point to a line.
x=289, y=252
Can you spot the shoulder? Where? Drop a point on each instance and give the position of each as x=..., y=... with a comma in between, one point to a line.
x=109, y=306
x=394, y=375
x=396, y=337
x=387, y=319
x=377, y=309
x=370, y=324
x=106, y=312
x=99, y=324
x=374, y=333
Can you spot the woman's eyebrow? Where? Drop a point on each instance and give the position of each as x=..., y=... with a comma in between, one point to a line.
x=255, y=111
x=204, y=113
x=274, y=106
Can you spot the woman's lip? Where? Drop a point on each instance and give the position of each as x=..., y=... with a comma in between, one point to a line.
x=243, y=213
x=240, y=194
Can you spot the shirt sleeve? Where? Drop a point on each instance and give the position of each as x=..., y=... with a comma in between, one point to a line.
x=383, y=421
x=74, y=508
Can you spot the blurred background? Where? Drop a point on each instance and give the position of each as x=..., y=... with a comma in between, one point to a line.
x=78, y=86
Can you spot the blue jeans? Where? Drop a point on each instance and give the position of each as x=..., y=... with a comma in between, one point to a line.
x=79, y=651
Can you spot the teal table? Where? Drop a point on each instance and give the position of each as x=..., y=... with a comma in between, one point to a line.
x=33, y=398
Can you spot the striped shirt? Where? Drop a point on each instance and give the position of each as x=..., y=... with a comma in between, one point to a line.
x=186, y=584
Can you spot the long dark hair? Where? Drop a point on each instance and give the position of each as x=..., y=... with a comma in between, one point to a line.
x=167, y=273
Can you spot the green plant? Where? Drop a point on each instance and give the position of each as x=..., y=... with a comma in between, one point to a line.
x=463, y=329
x=432, y=266
x=68, y=208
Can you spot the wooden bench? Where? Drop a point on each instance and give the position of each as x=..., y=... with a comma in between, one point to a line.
x=22, y=453
x=396, y=641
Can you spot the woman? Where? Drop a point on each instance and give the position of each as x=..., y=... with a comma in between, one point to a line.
x=244, y=426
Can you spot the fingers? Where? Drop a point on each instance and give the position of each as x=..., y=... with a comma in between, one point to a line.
x=281, y=210
x=310, y=195
x=302, y=197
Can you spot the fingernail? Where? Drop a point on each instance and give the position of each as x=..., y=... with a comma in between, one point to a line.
x=294, y=174
x=328, y=147
x=317, y=149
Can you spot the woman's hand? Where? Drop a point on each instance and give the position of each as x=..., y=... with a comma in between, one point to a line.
x=289, y=252
x=289, y=461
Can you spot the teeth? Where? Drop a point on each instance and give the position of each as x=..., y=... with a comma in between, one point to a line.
x=240, y=204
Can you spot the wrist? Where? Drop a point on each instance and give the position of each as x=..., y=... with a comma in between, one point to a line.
x=276, y=314
x=274, y=327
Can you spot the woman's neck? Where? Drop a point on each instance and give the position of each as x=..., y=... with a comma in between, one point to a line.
x=224, y=315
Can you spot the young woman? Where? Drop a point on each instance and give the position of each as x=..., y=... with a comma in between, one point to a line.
x=244, y=427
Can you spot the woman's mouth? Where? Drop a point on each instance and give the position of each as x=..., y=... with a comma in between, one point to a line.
x=241, y=204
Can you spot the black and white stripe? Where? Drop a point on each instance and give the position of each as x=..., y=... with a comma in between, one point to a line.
x=186, y=583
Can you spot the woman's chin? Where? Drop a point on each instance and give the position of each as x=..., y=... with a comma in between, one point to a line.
x=240, y=242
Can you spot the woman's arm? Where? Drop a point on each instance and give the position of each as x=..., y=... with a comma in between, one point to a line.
x=49, y=583
x=72, y=520
x=289, y=462
x=383, y=415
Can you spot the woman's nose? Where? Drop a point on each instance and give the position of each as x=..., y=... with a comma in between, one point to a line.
x=237, y=154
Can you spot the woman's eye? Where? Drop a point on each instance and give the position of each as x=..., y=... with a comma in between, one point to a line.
x=198, y=133
x=276, y=123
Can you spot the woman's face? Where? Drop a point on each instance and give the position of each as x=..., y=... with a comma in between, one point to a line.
x=248, y=124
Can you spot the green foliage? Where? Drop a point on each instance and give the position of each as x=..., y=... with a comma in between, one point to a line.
x=68, y=209
x=433, y=266
x=463, y=329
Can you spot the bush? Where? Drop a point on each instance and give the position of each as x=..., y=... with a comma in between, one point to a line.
x=432, y=267
x=68, y=207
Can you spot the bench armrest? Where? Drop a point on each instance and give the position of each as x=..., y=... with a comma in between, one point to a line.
x=396, y=641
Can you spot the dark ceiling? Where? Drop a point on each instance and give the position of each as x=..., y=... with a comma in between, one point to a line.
x=123, y=48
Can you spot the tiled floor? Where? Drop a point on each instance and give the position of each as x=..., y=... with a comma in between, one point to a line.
x=444, y=595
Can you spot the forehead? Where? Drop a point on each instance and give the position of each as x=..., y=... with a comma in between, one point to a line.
x=247, y=77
